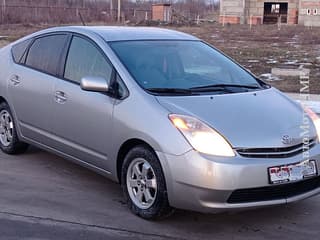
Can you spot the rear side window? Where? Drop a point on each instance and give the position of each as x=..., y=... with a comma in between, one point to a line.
x=45, y=53
x=19, y=50
x=85, y=60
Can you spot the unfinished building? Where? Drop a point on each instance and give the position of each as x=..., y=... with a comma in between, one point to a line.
x=304, y=12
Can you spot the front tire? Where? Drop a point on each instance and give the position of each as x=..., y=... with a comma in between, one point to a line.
x=9, y=141
x=143, y=184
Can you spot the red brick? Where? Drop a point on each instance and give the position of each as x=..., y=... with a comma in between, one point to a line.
x=229, y=19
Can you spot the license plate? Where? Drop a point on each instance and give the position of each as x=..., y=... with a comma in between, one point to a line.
x=293, y=172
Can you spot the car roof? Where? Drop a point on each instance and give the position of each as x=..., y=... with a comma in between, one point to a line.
x=119, y=33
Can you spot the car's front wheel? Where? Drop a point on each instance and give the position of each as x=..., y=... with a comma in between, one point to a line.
x=9, y=141
x=143, y=184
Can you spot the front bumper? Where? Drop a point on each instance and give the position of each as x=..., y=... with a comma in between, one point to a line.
x=205, y=183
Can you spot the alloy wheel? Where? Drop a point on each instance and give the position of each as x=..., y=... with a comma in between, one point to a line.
x=141, y=183
x=6, y=128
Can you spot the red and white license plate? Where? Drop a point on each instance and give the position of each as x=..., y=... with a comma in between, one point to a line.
x=292, y=172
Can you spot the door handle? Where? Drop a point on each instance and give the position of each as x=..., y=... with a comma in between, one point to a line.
x=15, y=80
x=60, y=97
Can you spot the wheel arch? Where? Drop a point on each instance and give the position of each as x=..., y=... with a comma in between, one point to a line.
x=2, y=100
x=124, y=149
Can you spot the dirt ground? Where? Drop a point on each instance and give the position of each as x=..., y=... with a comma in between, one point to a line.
x=258, y=49
x=46, y=197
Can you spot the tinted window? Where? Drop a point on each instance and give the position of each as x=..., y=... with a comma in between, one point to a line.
x=85, y=60
x=179, y=64
x=121, y=88
x=19, y=49
x=45, y=53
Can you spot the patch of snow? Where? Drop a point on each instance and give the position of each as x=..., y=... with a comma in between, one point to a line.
x=291, y=62
x=291, y=42
x=306, y=64
x=271, y=61
x=269, y=77
x=253, y=61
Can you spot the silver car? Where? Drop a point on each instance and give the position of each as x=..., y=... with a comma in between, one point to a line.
x=173, y=120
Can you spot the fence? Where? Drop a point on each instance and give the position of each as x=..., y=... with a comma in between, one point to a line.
x=57, y=14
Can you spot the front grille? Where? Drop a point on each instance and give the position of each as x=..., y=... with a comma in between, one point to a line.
x=276, y=152
x=274, y=192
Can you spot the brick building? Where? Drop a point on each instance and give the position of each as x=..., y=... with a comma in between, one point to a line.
x=161, y=12
x=304, y=12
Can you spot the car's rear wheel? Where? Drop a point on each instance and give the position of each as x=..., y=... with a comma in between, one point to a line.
x=9, y=141
x=143, y=184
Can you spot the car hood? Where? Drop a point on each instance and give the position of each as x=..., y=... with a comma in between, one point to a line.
x=257, y=119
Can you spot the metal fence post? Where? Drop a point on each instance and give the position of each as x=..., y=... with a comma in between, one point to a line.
x=119, y=10
x=3, y=11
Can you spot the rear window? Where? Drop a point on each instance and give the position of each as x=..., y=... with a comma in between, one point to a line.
x=45, y=53
x=19, y=50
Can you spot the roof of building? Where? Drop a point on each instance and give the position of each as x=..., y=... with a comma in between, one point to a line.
x=162, y=4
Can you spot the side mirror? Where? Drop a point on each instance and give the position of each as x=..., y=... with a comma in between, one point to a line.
x=94, y=84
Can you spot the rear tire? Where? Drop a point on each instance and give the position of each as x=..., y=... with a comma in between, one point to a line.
x=143, y=184
x=9, y=141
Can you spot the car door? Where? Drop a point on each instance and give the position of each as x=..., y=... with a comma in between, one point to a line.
x=31, y=86
x=83, y=120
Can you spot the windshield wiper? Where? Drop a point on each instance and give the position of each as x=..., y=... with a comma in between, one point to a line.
x=171, y=91
x=223, y=87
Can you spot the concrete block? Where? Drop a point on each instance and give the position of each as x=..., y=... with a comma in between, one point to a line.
x=290, y=72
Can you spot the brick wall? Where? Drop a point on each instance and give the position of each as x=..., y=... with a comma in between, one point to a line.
x=309, y=14
x=292, y=16
x=255, y=20
x=256, y=8
x=229, y=19
x=157, y=12
x=231, y=11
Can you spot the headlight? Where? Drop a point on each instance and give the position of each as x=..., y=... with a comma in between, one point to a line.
x=201, y=137
x=315, y=119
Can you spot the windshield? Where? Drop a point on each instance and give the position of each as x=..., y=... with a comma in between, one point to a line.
x=169, y=65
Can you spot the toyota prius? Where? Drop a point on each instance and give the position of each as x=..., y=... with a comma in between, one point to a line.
x=172, y=119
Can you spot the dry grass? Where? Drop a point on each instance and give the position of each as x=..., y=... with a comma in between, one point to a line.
x=3, y=43
x=258, y=49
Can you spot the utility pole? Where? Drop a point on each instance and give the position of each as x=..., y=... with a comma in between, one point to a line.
x=111, y=9
x=119, y=10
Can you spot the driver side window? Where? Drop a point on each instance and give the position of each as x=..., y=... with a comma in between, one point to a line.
x=84, y=60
